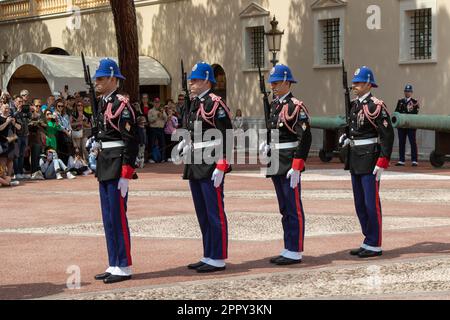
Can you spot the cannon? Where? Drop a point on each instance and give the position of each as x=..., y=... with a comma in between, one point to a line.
x=332, y=128
x=439, y=124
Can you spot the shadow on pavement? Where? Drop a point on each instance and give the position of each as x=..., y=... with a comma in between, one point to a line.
x=32, y=290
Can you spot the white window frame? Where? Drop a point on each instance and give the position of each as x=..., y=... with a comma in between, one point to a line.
x=405, y=30
x=326, y=14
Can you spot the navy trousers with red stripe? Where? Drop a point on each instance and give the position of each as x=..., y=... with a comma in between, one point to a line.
x=209, y=207
x=291, y=209
x=368, y=208
x=115, y=222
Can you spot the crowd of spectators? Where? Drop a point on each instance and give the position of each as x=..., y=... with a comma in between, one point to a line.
x=52, y=140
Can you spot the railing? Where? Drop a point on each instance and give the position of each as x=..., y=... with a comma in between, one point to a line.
x=16, y=9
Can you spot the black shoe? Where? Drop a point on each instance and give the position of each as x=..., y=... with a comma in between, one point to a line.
x=195, y=266
x=415, y=164
x=207, y=268
x=355, y=252
x=274, y=259
x=102, y=276
x=369, y=254
x=283, y=261
x=113, y=279
x=400, y=164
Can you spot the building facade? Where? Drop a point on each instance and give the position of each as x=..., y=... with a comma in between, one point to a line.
x=403, y=41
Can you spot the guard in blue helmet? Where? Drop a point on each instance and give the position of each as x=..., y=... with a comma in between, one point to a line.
x=206, y=165
x=407, y=105
x=289, y=120
x=370, y=142
x=117, y=137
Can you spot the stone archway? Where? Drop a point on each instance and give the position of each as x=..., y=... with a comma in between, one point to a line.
x=55, y=51
x=31, y=78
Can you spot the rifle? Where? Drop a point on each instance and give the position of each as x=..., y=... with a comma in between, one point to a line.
x=187, y=99
x=347, y=99
x=262, y=85
x=348, y=107
x=88, y=80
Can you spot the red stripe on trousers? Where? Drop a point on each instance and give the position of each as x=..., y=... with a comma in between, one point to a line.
x=377, y=200
x=222, y=223
x=300, y=218
x=124, y=229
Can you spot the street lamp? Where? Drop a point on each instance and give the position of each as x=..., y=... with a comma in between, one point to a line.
x=4, y=63
x=3, y=66
x=274, y=40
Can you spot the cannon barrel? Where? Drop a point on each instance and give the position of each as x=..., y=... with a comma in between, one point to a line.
x=425, y=122
x=331, y=127
x=328, y=123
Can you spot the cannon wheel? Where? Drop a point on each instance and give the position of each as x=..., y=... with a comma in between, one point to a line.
x=437, y=160
x=324, y=156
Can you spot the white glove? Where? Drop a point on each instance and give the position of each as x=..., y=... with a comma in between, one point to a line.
x=378, y=172
x=344, y=141
x=123, y=187
x=264, y=149
x=294, y=175
x=217, y=177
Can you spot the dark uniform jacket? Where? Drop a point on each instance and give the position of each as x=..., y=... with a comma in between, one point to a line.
x=362, y=159
x=110, y=161
x=410, y=107
x=300, y=125
x=220, y=121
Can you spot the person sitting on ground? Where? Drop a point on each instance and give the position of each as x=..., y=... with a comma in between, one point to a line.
x=52, y=167
x=77, y=165
x=5, y=180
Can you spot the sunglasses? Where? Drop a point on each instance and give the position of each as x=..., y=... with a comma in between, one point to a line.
x=59, y=106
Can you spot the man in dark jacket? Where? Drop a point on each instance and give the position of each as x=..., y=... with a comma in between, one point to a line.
x=117, y=135
x=407, y=105
x=205, y=171
x=371, y=140
x=289, y=118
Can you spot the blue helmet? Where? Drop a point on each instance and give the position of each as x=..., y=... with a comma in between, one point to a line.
x=202, y=71
x=409, y=88
x=365, y=74
x=108, y=68
x=281, y=73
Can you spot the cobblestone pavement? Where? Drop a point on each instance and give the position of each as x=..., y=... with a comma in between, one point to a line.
x=50, y=228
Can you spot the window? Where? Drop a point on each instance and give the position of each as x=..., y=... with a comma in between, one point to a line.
x=328, y=36
x=254, y=21
x=421, y=34
x=331, y=41
x=257, y=46
x=418, y=31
